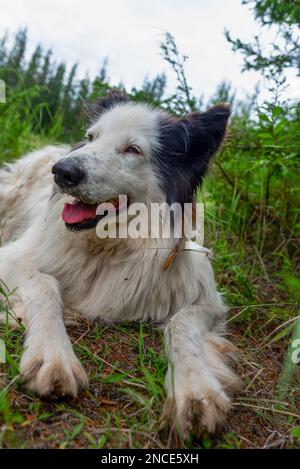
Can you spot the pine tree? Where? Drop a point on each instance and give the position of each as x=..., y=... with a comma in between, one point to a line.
x=46, y=69
x=55, y=91
x=3, y=50
x=68, y=99
x=15, y=60
x=80, y=109
x=33, y=69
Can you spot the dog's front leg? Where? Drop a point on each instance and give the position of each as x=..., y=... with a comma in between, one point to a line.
x=48, y=364
x=199, y=381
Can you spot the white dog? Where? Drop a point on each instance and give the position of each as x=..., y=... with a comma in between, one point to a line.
x=55, y=262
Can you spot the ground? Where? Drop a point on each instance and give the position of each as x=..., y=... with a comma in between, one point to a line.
x=122, y=407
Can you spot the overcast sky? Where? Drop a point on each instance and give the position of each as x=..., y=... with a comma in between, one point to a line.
x=128, y=32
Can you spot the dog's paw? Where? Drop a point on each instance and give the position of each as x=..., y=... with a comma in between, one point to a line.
x=193, y=414
x=196, y=405
x=196, y=413
x=48, y=373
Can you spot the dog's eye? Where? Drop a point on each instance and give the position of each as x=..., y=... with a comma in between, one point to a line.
x=134, y=149
x=90, y=137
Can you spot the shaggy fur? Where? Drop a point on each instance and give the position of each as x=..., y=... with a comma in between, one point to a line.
x=54, y=268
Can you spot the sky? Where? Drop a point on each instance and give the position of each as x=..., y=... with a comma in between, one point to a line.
x=129, y=32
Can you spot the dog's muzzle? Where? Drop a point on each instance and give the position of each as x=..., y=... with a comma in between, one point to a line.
x=67, y=174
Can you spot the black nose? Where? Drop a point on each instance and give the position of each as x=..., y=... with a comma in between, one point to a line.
x=67, y=174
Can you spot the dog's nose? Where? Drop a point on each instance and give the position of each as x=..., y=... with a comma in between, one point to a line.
x=67, y=174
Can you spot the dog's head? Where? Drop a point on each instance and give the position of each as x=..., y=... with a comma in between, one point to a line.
x=139, y=151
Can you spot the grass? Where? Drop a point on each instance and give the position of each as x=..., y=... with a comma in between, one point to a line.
x=122, y=407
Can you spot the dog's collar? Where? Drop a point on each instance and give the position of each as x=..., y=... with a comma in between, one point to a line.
x=170, y=259
x=188, y=247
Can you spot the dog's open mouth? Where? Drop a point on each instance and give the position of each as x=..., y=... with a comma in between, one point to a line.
x=82, y=216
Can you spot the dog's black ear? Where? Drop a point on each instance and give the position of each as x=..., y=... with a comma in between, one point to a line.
x=186, y=148
x=108, y=102
x=206, y=131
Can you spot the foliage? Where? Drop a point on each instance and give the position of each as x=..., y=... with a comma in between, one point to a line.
x=284, y=18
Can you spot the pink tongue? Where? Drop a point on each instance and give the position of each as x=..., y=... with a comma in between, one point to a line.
x=78, y=212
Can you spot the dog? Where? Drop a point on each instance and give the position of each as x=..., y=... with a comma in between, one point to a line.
x=54, y=263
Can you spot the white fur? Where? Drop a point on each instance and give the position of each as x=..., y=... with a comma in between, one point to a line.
x=54, y=270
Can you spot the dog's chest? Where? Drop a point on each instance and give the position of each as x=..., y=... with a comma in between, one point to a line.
x=137, y=288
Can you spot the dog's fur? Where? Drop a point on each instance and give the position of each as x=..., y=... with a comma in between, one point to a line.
x=54, y=270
